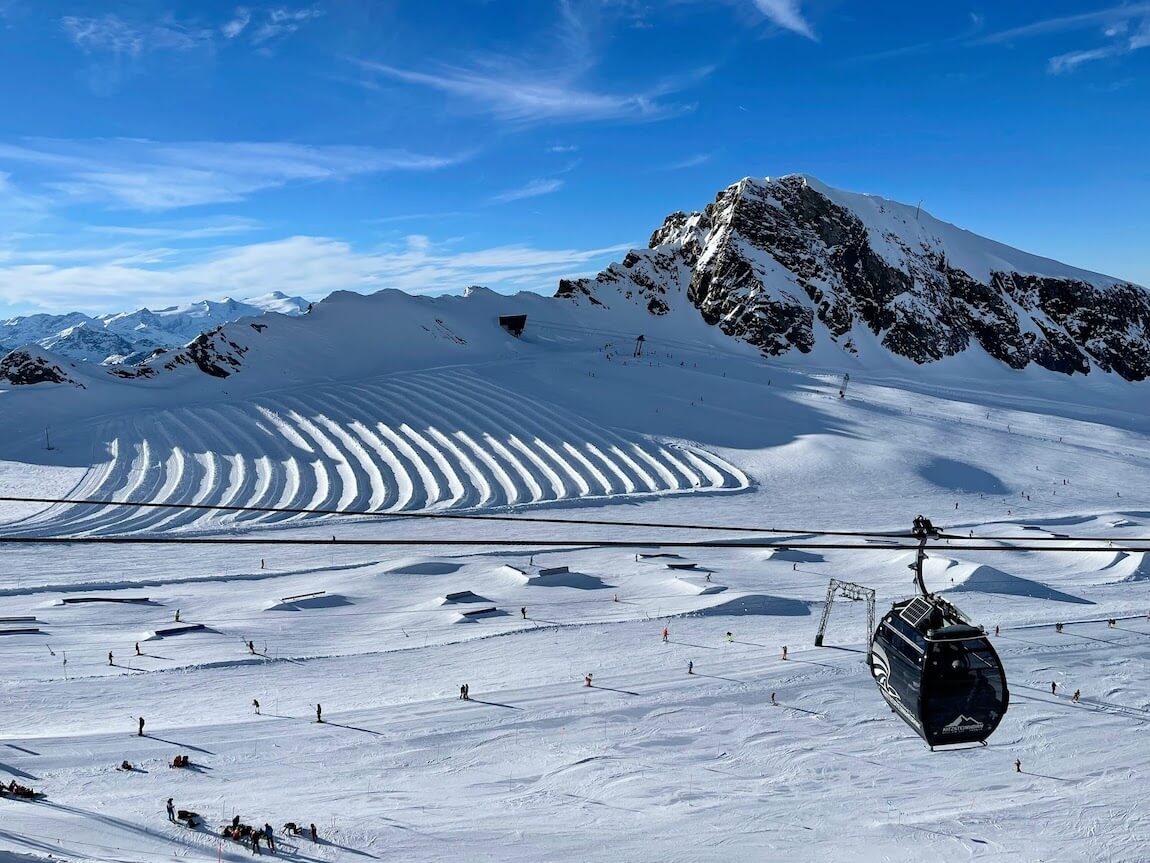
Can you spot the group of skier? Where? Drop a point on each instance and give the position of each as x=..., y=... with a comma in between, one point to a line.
x=241, y=832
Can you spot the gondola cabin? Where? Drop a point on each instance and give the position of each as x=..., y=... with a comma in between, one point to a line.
x=939, y=672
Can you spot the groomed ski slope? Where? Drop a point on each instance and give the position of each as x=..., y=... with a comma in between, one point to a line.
x=649, y=764
x=435, y=440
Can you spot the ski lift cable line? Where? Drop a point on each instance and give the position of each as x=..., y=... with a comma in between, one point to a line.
x=444, y=516
x=530, y=519
x=587, y=542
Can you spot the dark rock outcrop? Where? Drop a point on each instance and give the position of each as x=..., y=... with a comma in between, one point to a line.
x=27, y=367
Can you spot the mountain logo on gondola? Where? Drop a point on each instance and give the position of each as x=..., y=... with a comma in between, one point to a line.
x=962, y=722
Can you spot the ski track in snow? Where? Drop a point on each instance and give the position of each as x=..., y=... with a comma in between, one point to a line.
x=413, y=442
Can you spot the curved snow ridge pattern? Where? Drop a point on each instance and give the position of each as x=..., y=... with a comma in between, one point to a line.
x=426, y=441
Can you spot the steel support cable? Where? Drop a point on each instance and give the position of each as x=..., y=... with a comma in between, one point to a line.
x=581, y=542
x=447, y=516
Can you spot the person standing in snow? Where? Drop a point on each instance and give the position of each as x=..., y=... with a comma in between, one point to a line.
x=256, y=705
x=523, y=611
x=256, y=834
x=730, y=638
x=140, y=732
x=269, y=837
x=690, y=667
x=587, y=679
x=996, y=630
x=177, y=615
x=110, y=658
x=319, y=713
x=251, y=647
x=1053, y=687
x=1058, y=627
x=1076, y=696
x=666, y=634
x=1017, y=765
x=773, y=699
x=314, y=835
x=462, y=691
x=467, y=692
x=171, y=810
x=784, y=653
x=137, y=648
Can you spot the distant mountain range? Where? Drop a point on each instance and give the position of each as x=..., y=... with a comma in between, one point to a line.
x=130, y=337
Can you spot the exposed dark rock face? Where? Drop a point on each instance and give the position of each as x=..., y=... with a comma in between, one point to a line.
x=780, y=264
x=212, y=352
x=28, y=367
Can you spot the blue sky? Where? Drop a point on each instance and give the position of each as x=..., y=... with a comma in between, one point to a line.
x=156, y=152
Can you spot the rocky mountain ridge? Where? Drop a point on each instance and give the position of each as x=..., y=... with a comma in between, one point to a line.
x=784, y=264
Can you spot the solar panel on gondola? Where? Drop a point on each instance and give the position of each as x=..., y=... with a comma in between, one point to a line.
x=936, y=669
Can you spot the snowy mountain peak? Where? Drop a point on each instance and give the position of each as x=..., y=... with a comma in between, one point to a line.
x=791, y=264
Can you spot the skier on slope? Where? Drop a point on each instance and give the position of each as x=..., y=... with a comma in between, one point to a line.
x=251, y=647
x=587, y=679
x=523, y=611
x=269, y=837
x=140, y=731
x=1076, y=696
x=171, y=810
x=110, y=658
x=463, y=691
x=730, y=637
x=666, y=634
x=690, y=667
x=256, y=705
x=1053, y=687
x=319, y=713
x=784, y=653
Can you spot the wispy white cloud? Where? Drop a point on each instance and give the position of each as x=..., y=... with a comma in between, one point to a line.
x=692, y=161
x=533, y=189
x=563, y=148
x=550, y=80
x=281, y=21
x=786, y=14
x=177, y=233
x=239, y=23
x=1065, y=23
x=305, y=265
x=119, y=37
x=528, y=96
x=1141, y=39
x=1112, y=22
x=150, y=175
x=1072, y=59
x=1119, y=45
